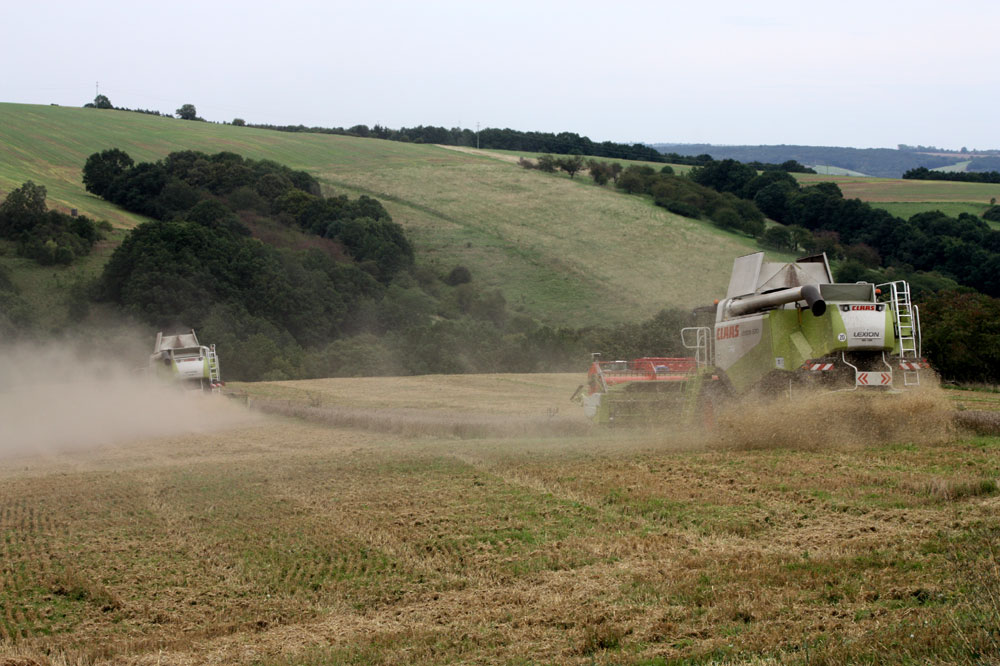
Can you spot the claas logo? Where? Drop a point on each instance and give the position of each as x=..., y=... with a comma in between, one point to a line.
x=727, y=332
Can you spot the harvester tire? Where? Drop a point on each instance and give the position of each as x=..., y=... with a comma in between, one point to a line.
x=706, y=413
x=711, y=402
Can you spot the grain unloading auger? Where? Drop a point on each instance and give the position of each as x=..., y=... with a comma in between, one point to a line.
x=182, y=359
x=782, y=328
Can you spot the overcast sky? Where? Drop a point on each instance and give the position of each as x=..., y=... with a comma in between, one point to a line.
x=868, y=74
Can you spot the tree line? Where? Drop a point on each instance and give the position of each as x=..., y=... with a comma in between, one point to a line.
x=563, y=143
x=923, y=173
x=186, y=112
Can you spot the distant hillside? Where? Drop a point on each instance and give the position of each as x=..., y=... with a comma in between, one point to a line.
x=566, y=252
x=881, y=162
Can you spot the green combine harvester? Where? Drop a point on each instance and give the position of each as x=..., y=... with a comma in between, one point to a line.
x=782, y=328
x=181, y=359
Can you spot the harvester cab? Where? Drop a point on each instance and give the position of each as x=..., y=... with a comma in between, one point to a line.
x=782, y=327
x=182, y=359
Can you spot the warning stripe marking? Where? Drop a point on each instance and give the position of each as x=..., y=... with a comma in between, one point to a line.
x=874, y=378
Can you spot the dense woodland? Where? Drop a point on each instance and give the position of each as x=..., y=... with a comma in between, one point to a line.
x=923, y=173
x=985, y=163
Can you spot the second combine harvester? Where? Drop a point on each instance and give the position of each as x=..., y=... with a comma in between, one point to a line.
x=185, y=362
x=782, y=327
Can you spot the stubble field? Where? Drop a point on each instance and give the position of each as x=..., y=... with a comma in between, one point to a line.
x=283, y=541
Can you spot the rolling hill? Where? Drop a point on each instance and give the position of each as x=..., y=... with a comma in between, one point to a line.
x=562, y=250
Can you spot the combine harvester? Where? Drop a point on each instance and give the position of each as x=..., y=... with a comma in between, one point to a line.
x=782, y=328
x=183, y=360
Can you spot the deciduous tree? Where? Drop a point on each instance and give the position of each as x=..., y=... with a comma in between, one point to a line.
x=599, y=171
x=187, y=112
x=777, y=237
x=102, y=168
x=571, y=164
x=547, y=163
x=22, y=209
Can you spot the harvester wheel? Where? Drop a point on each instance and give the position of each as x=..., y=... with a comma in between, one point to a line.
x=707, y=413
x=710, y=404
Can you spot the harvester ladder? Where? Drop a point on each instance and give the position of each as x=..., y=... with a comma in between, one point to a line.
x=595, y=357
x=907, y=327
x=214, y=374
x=699, y=339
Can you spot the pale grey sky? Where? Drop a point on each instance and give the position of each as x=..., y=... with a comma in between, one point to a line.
x=859, y=73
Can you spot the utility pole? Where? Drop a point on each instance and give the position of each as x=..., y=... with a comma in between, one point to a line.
x=477, y=135
x=97, y=89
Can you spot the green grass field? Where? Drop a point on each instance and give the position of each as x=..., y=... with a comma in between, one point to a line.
x=957, y=167
x=907, y=209
x=827, y=170
x=562, y=250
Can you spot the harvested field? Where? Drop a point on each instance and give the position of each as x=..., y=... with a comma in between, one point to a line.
x=899, y=190
x=285, y=541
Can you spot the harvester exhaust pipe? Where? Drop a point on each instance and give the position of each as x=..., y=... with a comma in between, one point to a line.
x=809, y=293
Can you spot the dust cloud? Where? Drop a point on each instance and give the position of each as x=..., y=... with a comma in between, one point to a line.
x=68, y=397
x=825, y=420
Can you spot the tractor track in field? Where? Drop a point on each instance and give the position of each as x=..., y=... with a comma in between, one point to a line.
x=421, y=422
